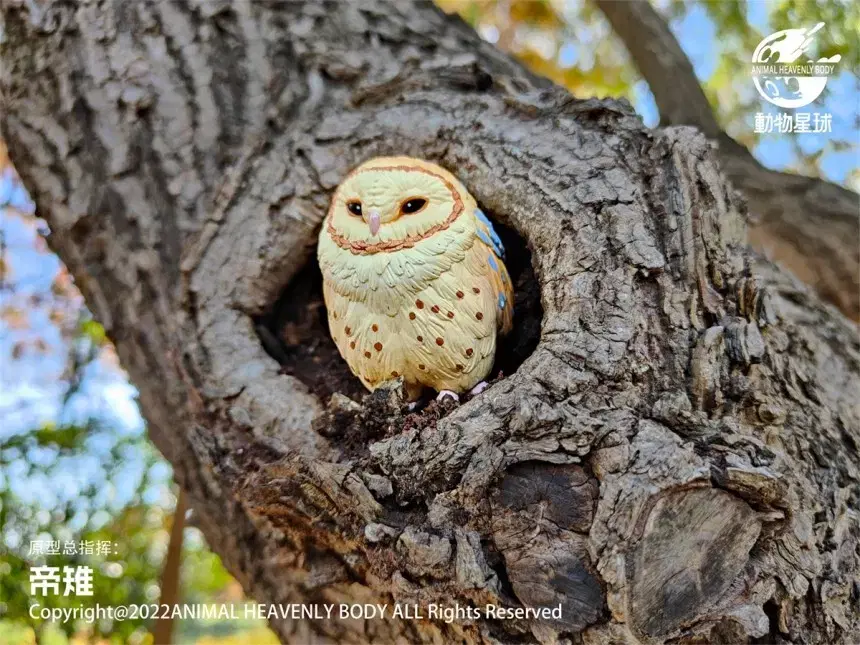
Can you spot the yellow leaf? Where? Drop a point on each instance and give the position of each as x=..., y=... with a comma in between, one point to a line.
x=14, y=317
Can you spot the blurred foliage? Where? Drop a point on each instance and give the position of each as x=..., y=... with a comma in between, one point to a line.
x=75, y=464
x=568, y=42
x=127, y=575
x=138, y=533
x=571, y=43
x=843, y=26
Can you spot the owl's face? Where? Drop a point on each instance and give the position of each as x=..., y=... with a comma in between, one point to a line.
x=391, y=200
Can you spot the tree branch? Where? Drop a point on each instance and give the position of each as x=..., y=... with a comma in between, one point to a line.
x=809, y=225
x=162, y=631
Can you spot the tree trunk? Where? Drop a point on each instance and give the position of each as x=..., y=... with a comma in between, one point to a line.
x=672, y=452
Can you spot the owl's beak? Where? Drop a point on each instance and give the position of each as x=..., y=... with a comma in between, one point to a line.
x=373, y=222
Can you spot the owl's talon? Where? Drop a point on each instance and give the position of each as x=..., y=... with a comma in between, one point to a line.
x=480, y=387
x=443, y=393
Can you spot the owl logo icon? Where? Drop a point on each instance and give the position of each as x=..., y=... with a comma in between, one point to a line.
x=783, y=71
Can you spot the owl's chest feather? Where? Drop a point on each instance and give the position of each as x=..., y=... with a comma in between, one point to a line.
x=381, y=281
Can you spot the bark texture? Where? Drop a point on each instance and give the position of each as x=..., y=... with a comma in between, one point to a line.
x=809, y=225
x=674, y=460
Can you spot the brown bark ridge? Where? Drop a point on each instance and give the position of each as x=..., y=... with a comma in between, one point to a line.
x=809, y=225
x=674, y=460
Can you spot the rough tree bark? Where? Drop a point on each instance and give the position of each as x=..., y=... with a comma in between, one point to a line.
x=674, y=460
x=809, y=225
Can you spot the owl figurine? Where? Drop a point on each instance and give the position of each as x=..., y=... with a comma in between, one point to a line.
x=413, y=277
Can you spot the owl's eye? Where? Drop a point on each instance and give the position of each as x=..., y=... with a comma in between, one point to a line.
x=413, y=205
x=354, y=208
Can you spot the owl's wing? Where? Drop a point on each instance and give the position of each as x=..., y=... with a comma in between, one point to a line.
x=503, y=290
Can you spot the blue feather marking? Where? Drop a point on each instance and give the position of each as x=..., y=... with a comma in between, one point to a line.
x=492, y=262
x=494, y=242
x=502, y=301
